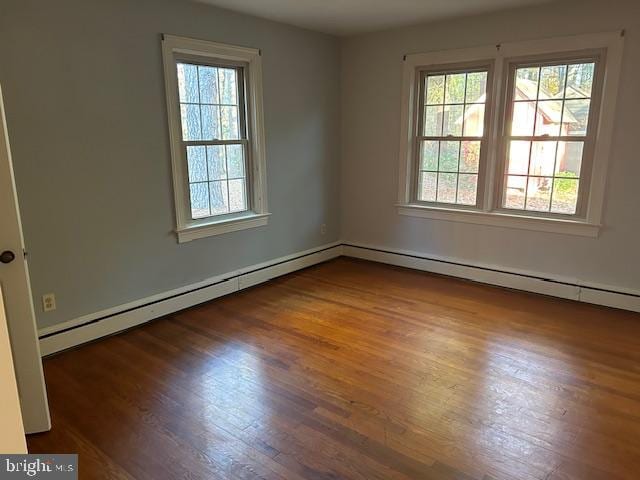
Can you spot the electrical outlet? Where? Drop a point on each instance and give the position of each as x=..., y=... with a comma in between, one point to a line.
x=48, y=302
x=323, y=229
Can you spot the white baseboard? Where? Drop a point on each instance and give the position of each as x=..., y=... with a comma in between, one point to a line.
x=608, y=298
x=107, y=322
x=534, y=282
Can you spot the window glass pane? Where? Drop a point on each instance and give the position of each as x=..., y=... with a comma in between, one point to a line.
x=217, y=164
x=548, y=117
x=524, y=115
x=228, y=86
x=199, y=200
x=519, y=157
x=235, y=161
x=474, y=120
x=455, y=88
x=565, y=196
x=539, y=194
x=580, y=80
x=549, y=101
x=569, y=159
x=433, y=121
x=447, y=184
x=543, y=157
x=429, y=159
x=576, y=117
x=461, y=115
x=435, y=90
x=552, y=80
x=210, y=122
x=526, y=87
x=476, y=87
x=190, y=119
x=219, y=197
x=467, y=189
x=197, y=164
x=209, y=101
x=449, y=154
x=230, y=127
x=452, y=123
x=237, y=202
x=427, y=187
x=470, y=157
x=208, y=78
x=515, y=189
x=188, y=83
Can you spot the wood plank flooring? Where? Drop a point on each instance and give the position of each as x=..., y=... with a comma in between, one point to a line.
x=357, y=370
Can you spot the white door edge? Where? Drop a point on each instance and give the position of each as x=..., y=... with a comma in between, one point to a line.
x=14, y=279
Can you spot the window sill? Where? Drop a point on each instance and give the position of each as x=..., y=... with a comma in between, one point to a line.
x=219, y=227
x=500, y=219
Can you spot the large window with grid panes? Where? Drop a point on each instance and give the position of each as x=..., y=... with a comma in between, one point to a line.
x=514, y=131
x=451, y=135
x=550, y=123
x=215, y=121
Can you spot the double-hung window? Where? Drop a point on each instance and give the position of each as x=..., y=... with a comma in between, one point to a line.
x=548, y=128
x=510, y=135
x=215, y=120
x=451, y=136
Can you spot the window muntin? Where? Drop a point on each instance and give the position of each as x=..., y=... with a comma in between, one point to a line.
x=549, y=130
x=214, y=137
x=451, y=135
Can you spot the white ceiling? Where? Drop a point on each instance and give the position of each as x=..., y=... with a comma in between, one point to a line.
x=346, y=17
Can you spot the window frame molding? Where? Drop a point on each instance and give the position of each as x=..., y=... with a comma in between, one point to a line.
x=174, y=49
x=503, y=55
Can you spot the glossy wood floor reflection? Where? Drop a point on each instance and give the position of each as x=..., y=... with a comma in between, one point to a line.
x=357, y=370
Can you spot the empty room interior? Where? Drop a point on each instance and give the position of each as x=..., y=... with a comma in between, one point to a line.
x=320, y=240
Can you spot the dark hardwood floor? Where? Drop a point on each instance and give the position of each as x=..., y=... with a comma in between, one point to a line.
x=357, y=370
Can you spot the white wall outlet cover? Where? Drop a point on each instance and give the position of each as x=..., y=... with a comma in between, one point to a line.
x=48, y=302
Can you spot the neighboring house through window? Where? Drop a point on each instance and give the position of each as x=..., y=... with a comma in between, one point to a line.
x=550, y=107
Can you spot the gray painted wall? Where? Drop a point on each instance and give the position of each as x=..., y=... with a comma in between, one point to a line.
x=371, y=88
x=85, y=105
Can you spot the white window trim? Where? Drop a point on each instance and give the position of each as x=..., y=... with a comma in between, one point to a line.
x=489, y=214
x=188, y=229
